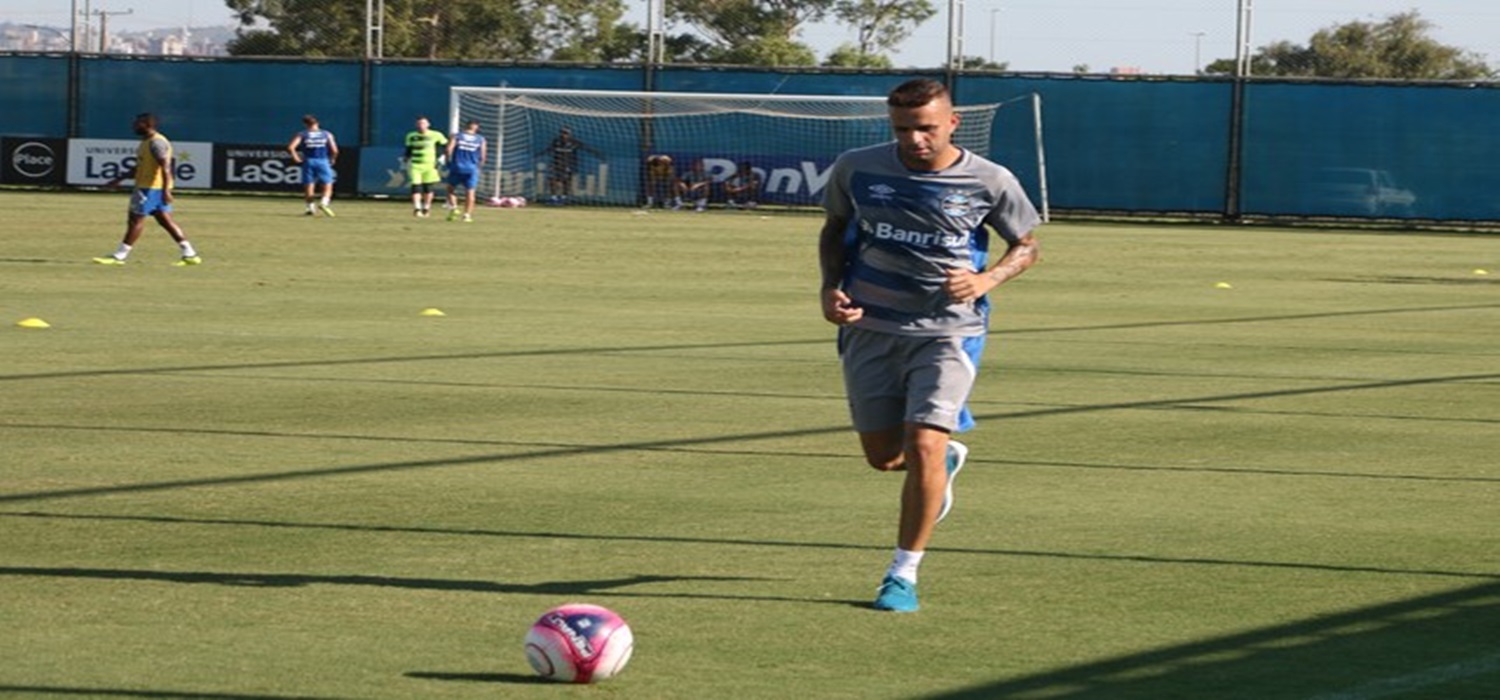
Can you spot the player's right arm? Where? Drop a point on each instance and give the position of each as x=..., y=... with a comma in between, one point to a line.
x=838, y=308
x=295, y=147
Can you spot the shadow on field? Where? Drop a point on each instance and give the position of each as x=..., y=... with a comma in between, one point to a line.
x=509, y=678
x=826, y=341
x=549, y=451
x=1436, y=646
x=729, y=542
x=50, y=690
x=260, y=580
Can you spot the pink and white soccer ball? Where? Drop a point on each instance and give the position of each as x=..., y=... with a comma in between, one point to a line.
x=508, y=202
x=579, y=643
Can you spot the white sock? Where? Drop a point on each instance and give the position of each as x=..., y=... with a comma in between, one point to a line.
x=122, y=252
x=905, y=564
x=187, y=250
x=325, y=201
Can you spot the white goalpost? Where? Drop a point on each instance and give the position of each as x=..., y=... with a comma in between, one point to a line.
x=789, y=140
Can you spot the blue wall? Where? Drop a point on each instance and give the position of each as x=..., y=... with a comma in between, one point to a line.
x=1112, y=144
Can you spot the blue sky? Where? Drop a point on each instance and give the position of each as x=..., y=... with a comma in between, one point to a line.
x=1156, y=36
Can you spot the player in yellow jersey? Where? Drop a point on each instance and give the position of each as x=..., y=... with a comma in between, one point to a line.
x=152, y=195
x=422, y=165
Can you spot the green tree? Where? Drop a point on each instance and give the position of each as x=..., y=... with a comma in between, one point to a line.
x=849, y=56
x=753, y=32
x=1398, y=48
x=881, y=25
x=585, y=30
x=981, y=63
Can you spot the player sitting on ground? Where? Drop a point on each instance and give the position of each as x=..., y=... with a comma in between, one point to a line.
x=743, y=188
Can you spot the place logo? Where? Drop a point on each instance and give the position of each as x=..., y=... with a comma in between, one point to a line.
x=34, y=160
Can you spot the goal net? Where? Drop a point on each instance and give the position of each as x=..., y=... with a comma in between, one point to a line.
x=788, y=140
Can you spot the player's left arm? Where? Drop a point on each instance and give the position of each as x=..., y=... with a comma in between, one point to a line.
x=164, y=155
x=333, y=149
x=965, y=285
x=166, y=180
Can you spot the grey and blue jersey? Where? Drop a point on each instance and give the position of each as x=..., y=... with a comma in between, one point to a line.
x=466, y=150
x=908, y=228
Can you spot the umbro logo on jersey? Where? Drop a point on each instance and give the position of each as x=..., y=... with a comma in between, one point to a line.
x=882, y=191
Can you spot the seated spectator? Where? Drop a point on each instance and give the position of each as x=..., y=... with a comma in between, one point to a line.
x=661, y=179
x=694, y=186
x=742, y=190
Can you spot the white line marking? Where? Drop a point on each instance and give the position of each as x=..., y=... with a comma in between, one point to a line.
x=1428, y=678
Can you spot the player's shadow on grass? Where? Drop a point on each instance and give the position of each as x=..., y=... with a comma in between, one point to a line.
x=595, y=587
x=298, y=580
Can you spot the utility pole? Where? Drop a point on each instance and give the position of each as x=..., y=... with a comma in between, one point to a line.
x=104, y=16
x=1242, y=38
x=374, y=29
x=993, y=11
x=955, y=34
x=1198, y=52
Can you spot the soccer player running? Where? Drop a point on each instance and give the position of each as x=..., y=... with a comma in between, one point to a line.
x=903, y=254
x=316, y=150
x=152, y=195
x=422, y=165
x=466, y=154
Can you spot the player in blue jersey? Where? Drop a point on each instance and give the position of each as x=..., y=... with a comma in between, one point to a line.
x=317, y=151
x=152, y=195
x=466, y=155
x=903, y=254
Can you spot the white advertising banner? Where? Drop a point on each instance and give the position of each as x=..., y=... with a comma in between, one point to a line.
x=97, y=161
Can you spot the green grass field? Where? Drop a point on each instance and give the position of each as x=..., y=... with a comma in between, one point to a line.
x=270, y=476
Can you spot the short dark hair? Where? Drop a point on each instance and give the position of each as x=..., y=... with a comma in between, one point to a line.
x=917, y=92
x=309, y=120
x=146, y=118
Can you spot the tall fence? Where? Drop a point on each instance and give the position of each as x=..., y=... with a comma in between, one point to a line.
x=1211, y=147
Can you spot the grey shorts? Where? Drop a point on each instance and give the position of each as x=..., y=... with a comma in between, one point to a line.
x=897, y=379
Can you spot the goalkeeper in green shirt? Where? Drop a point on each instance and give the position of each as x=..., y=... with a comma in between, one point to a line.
x=422, y=165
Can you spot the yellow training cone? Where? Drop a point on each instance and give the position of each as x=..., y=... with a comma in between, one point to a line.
x=1481, y=271
x=33, y=323
x=1223, y=285
x=433, y=312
